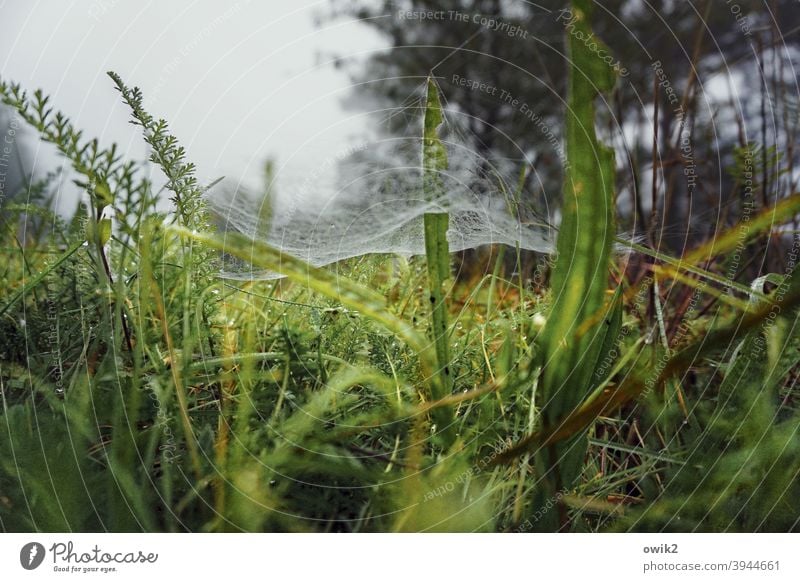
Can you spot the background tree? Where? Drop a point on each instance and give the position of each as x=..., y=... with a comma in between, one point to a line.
x=726, y=73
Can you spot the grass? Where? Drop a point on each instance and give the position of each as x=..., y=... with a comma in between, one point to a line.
x=141, y=392
x=437, y=252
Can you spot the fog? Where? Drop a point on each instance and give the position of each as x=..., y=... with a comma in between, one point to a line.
x=239, y=82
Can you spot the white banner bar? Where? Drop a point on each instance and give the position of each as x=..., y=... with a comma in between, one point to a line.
x=402, y=557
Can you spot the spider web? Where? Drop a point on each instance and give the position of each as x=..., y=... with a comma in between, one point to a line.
x=375, y=202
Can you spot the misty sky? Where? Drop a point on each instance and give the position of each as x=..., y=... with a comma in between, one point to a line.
x=238, y=81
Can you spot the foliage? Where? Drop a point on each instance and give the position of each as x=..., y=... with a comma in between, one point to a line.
x=141, y=392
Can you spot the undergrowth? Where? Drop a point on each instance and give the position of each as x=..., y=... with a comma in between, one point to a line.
x=141, y=392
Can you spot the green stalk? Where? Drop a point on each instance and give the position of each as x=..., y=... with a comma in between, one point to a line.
x=574, y=336
x=437, y=252
x=438, y=273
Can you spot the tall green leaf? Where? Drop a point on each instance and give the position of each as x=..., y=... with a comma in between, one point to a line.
x=434, y=161
x=576, y=330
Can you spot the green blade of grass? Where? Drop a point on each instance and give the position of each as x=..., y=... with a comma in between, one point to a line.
x=36, y=280
x=580, y=276
x=434, y=161
x=783, y=210
x=587, y=230
x=681, y=265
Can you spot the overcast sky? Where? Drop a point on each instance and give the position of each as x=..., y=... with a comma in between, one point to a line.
x=238, y=81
